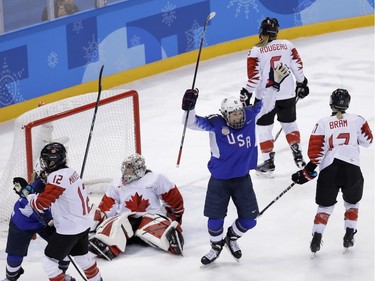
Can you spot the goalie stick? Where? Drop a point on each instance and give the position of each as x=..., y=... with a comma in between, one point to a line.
x=93, y=121
x=209, y=17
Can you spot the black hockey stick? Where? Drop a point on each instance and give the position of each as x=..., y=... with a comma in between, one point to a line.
x=277, y=198
x=279, y=132
x=93, y=121
x=209, y=17
x=45, y=224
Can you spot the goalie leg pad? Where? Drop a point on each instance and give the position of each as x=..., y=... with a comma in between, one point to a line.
x=111, y=236
x=160, y=232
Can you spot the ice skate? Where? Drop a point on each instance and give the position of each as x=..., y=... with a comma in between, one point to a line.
x=349, y=237
x=297, y=154
x=316, y=242
x=213, y=254
x=267, y=167
x=13, y=276
x=232, y=245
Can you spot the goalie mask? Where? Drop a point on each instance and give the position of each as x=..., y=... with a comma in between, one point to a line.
x=233, y=112
x=53, y=157
x=133, y=168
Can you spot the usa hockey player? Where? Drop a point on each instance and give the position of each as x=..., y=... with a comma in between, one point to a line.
x=65, y=194
x=24, y=224
x=234, y=152
x=139, y=204
x=262, y=58
x=334, y=146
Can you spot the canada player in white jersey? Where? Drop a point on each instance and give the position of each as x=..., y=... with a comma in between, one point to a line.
x=334, y=146
x=140, y=204
x=65, y=194
x=261, y=62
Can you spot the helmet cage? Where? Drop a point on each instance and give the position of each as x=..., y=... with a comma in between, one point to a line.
x=230, y=105
x=133, y=168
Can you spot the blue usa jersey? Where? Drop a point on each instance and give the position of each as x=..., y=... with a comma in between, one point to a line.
x=234, y=152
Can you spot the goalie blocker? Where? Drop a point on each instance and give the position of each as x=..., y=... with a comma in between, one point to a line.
x=158, y=231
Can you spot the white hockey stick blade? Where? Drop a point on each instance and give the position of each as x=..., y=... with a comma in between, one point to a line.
x=209, y=17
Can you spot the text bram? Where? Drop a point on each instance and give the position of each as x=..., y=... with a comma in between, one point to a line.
x=338, y=124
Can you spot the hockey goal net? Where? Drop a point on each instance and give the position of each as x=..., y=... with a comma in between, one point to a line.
x=116, y=134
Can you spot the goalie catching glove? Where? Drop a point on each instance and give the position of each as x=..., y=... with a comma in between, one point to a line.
x=278, y=75
x=190, y=99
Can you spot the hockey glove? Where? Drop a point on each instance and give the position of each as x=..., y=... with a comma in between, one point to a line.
x=173, y=215
x=21, y=187
x=245, y=96
x=302, y=90
x=304, y=175
x=190, y=99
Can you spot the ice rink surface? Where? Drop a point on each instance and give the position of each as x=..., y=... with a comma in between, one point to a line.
x=277, y=249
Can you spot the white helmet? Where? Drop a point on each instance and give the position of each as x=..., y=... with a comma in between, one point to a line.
x=228, y=105
x=138, y=168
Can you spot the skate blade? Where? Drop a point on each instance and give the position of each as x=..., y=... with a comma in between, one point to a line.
x=227, y=247
x=313, y=255
x=268, y=174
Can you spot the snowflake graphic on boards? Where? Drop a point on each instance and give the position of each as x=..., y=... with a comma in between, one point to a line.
x=243, y=4
x=9, y=85
x=194, y=35
x=52, y=59
x=135, y=41
x=92, y=50
x=77, y=26
x=168, y=13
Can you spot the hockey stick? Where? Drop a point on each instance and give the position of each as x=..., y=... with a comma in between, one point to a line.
x=93, y=120
x=209, y=17
x=277, y=198
x=45, y=224
x=279, y=132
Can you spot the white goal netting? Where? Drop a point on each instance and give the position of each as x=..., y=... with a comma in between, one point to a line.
x=116, y=134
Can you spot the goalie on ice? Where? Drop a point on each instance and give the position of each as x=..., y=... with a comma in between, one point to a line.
x=142, y=205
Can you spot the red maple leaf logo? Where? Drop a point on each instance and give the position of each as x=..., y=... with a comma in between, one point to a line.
x=137, y=203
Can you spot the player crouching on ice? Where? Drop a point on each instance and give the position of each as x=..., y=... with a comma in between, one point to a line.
x=139, y=204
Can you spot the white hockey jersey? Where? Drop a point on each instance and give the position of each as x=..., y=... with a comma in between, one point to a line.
x=145, y=195
x=339, y=138
x=66, y=195
x=260, y=60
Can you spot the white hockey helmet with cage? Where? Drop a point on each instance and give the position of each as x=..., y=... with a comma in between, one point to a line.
x=229, y=105
x=133, y=168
